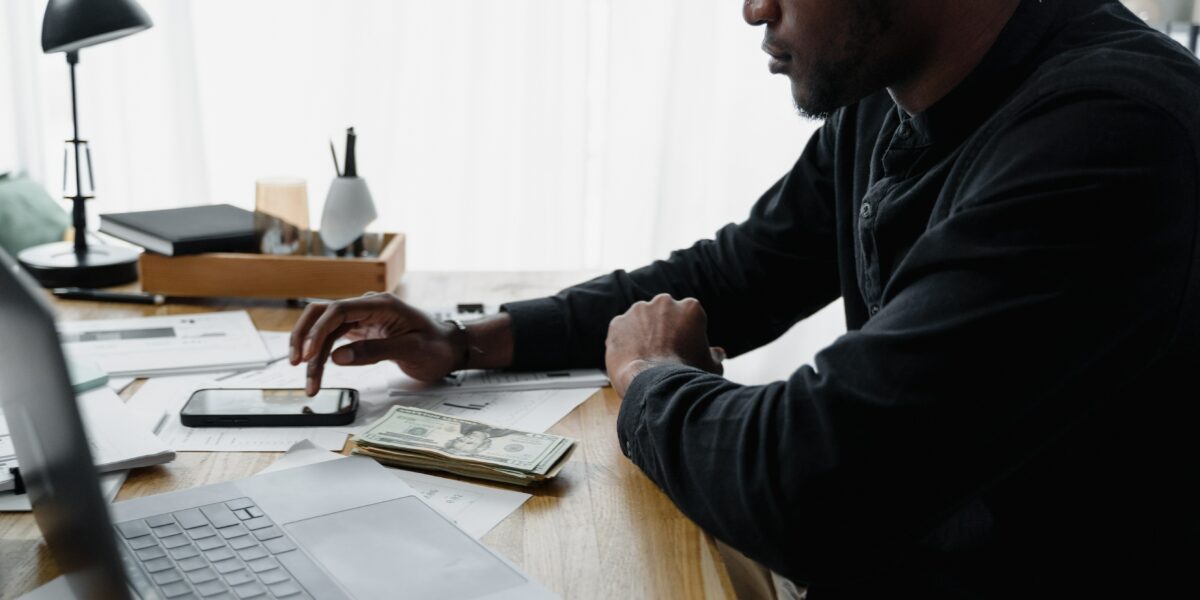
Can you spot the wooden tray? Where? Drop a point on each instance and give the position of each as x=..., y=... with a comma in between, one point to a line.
x=225, y=274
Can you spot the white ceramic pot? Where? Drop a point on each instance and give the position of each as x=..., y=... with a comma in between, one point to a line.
x=348, y=210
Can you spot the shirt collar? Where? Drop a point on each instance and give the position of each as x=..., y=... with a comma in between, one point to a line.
x=1010, y=60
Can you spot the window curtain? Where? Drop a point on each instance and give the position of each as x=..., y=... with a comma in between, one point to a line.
x=499, y=134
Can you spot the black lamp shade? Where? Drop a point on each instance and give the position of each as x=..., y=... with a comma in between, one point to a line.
x=73, y=24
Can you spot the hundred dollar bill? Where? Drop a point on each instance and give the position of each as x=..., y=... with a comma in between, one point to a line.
x=414, y=431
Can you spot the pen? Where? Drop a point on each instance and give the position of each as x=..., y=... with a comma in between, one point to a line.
x=75, y=293
x=306, y=301
x=351, y=169
x=332, y=152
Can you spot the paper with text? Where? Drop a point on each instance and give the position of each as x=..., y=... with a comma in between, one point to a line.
x=172, y=344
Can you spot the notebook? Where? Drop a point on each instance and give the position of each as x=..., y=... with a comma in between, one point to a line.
x=189, y=230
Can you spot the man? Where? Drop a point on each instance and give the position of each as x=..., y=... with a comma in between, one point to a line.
x=1004, y=194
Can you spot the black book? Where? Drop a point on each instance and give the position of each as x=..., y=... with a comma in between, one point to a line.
x=189, y=230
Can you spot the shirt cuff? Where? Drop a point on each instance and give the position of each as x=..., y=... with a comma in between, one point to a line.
x=539, y=334
x=631, y=422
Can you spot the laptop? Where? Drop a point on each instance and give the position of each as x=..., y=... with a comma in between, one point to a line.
x=340, y=529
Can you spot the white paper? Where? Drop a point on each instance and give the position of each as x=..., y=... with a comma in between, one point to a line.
x=507, y=381
x=115, y=433
x=119, y=437
x=301, y=454
x=8, y=456
x=475, y=508
x=118, y=384
x=528, y=411
x=365, y=379
x=55, y=589
x=110, y=484
x=172, y=344
x=279, y=343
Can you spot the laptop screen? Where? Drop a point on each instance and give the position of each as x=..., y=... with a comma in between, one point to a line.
x=51, y=446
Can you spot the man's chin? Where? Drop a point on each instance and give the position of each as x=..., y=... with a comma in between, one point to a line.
x=810, y=109
x=810, y=105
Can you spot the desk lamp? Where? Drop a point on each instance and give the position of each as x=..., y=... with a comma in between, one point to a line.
x=69, y=25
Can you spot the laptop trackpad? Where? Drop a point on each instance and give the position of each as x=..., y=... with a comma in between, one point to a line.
x=401, y=549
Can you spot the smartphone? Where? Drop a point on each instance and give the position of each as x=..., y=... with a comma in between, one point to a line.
x=269, y=408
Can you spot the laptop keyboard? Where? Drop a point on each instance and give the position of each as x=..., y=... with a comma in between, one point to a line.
x=216, y=552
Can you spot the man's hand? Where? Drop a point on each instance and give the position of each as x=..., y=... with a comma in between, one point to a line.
x=660, y=331
x=384, y=328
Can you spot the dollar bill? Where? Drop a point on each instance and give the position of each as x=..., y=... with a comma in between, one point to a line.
x=490, y=474
x=426, y=437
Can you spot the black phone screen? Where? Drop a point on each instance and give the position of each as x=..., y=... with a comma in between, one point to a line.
x=274, y=402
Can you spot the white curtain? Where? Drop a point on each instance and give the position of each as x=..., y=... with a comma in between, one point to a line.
x=502, y=134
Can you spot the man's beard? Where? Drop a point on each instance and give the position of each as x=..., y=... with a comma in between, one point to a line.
x=838, y=83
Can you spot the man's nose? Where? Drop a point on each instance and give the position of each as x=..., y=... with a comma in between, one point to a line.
x=760, y=12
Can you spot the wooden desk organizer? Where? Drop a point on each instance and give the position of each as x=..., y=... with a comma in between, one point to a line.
x=224, y=274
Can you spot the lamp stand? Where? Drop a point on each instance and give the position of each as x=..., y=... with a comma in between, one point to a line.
x=78, y=263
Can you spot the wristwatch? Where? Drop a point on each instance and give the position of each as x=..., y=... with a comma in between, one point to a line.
x=462, y=329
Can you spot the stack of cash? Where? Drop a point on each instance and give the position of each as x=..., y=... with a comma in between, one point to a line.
x=421, y=439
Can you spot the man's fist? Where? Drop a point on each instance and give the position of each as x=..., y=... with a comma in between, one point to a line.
x=660, y=331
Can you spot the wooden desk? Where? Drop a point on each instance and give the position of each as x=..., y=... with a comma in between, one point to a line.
x=602, y=530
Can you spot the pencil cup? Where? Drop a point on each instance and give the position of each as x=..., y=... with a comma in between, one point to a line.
x=348, y=210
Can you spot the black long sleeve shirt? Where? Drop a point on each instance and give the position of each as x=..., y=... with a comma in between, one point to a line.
x=1012, y=410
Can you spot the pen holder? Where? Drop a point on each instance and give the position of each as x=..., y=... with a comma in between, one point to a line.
x=348, y=210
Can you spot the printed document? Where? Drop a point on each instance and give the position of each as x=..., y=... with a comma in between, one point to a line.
x=172, y=344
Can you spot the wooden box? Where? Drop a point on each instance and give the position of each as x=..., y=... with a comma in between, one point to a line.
x=270, y=276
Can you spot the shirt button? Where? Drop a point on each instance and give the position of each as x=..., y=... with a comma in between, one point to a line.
x=866, y=210
x=874, y=309
x=903, y=131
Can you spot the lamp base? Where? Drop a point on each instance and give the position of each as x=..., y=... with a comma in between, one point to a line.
x=57, y=265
